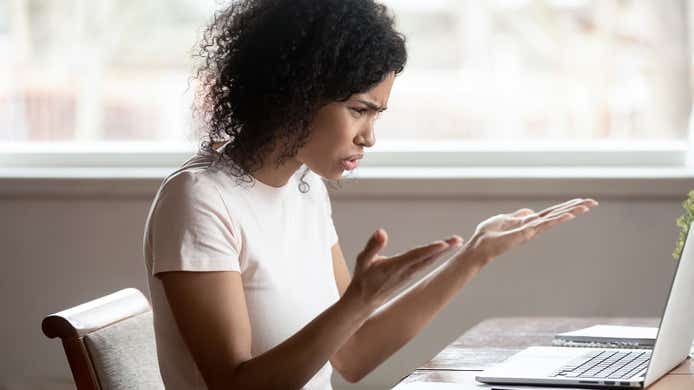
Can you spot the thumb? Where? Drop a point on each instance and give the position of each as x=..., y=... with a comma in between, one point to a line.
x=376, y=243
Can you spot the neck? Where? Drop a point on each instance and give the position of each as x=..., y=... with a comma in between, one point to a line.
x=276, y=176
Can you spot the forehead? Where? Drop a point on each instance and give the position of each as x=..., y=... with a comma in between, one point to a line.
x=379, y=93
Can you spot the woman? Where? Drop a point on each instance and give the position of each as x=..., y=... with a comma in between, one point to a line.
x=248, y=283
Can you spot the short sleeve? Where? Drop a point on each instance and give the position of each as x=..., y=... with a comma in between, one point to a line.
x=191, y=229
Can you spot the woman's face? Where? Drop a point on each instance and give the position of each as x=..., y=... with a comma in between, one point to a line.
x=341, y=130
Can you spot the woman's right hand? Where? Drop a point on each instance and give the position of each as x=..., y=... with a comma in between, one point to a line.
x=377, y=277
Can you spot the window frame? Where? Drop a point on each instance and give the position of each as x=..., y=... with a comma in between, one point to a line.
x=386, y=154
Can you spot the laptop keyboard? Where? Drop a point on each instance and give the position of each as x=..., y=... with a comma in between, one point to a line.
x=606, y=364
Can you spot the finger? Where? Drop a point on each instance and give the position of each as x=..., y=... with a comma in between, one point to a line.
x=559, y=206
x=529, y=218
x=581, y=208
x=575, y=210
x=537, y=224
x=567, y=205
x=376, y=243
x=415, y=268
x=413, y=256
x=425, y=251
x=454, y=240
x=530, y=230
x=523, y=212
x=520, y=217
x=454, y=245
x=553, y=221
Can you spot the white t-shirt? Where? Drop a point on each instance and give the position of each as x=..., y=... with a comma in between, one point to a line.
x=279, y=239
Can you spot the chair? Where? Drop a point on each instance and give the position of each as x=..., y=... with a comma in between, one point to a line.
x=109, y=342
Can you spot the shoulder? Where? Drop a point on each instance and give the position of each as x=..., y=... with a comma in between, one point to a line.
x=189, y=189
x=198, y=176
x=188, y=180
x=190, y=204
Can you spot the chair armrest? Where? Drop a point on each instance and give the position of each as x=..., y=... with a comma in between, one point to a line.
x=96, y=314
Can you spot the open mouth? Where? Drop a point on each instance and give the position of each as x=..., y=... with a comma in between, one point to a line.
x=350, y=164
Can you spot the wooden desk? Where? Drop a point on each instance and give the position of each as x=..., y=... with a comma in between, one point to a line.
x=494, y=340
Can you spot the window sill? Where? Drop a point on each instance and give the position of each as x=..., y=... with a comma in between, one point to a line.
x=381, y=182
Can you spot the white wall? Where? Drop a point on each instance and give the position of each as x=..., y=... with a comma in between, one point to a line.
x=61, y=248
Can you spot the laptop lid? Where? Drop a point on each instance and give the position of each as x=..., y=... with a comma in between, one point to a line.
x=676, y=329
x=672, y=345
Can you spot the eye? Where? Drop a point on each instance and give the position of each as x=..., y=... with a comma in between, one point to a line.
x=359, y=111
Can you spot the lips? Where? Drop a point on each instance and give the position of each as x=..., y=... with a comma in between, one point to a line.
x=351, y=162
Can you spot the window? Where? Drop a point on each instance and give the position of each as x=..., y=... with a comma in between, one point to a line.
x=85, y=71
x=488, y=82
x=542, y=70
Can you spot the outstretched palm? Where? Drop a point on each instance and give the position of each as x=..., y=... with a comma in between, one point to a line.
x=502, y=232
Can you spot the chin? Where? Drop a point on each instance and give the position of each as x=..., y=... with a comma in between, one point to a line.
x=328, y=170
x=333, y=176
x=328, y=174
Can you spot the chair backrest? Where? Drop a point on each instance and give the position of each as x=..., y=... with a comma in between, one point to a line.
x=109, y=342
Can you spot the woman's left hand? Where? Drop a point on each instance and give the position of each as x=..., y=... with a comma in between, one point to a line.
x=502, y=232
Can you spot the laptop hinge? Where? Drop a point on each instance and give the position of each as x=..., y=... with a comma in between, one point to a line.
x=641, y=374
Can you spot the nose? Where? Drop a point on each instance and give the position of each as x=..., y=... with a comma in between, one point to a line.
x=366, y=137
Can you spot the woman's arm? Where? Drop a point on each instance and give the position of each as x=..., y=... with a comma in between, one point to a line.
x=210, y=311
x=398, y=321
x=211, y=314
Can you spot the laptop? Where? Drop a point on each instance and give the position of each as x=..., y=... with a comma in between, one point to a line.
x=609, y=367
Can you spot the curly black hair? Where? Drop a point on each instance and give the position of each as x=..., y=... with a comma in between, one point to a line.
x=267, y=66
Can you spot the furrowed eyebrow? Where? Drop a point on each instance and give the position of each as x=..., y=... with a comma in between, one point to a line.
x=372, y=106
